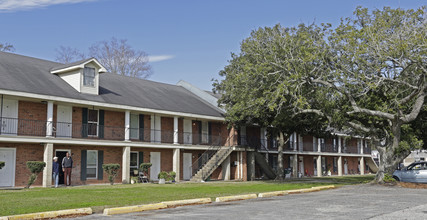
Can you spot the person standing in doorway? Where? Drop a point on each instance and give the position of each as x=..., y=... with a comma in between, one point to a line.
x=55, y=171
x=67, y=165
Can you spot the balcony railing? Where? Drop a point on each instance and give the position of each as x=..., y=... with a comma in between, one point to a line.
x=24, y=127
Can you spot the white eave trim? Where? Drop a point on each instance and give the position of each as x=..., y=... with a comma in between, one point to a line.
x=108, y=105
x=81, y=66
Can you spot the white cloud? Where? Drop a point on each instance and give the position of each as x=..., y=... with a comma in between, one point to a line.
x=159, y=58
x=15, y=5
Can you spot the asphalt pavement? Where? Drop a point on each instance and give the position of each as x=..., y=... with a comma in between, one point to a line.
x=348, y=202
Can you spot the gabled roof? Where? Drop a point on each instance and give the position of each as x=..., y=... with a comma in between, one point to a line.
x=31, y=75
x=77, y=65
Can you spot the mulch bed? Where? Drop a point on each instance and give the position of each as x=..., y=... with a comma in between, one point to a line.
x=413, y=185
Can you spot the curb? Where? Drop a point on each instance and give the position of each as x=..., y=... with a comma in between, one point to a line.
x=51, y=214
x=137, y=208
x=324, y=187
x=170, y=204
x=234, y=198
x=271, y=194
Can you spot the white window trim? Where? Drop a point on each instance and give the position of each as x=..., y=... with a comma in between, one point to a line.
x=97, y=123
x=137, y=159
x=96, y=165
x=94, y=78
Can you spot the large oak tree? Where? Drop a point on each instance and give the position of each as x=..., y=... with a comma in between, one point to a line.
x=367, y=77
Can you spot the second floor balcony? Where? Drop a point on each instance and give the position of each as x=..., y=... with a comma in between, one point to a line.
x=36, y=128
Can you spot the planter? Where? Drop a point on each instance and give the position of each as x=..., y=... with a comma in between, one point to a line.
x=329, y=173
x=132, y=181
x=162, y=181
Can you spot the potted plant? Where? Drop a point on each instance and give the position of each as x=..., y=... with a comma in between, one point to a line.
x=134, y=180
x=171, y=176
x=162, y=177
x=144, y=168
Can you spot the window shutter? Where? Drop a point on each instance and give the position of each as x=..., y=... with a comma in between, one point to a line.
x=141, y=127
x=210, y=132
x=100, y=162
x=101, y=124
x=141, y=159
x=84, y=122
x=83, y=165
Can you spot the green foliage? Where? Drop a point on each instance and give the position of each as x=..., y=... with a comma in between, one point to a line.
x=388, y=178
x=1, y=164
x=112, y=170
x=171, y=176
x=145, y=166
x=35, y=168
x=163, y=175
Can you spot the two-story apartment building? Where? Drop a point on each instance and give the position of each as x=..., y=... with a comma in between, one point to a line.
x=48, y=109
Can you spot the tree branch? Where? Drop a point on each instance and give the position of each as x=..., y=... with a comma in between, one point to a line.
x=419, y=102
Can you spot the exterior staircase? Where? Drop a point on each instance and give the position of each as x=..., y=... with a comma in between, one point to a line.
x=213, y=163
x=263, y=164
x=371, y=163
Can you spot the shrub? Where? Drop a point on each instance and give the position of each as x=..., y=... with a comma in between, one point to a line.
x=112, y=170
x=1, y=164
x=145, y=166
x=35, y=168
x=171, y=176
x=163, y=175
x=388, y=178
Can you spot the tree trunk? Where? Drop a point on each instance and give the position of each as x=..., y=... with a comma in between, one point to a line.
x=388, y=157
x=279, y=174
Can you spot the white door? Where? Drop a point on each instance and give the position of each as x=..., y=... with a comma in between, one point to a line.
x=9, y=120
x=7, y=173
x=301, y=165
x=64, y=121
x=188, y=137
x=134, y=127
x=187, y=166
x=155, y=167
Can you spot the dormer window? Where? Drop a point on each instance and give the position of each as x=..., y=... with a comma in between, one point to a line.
x=89, y=76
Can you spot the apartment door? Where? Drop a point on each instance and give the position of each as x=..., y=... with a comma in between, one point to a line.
x=9, y=117
x=301, y=165
x=134, y=126
x=188, y=137
x=345, y=167
x=155, y=168
x=64, y=121
x=61, y=154
x=187, y=166
x=7, y=173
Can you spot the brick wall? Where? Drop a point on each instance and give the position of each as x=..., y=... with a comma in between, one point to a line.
x=77, y=122
x=32, y=118
x=24, y=153
x=111, y=155
x=167, y=129
x=114, y=125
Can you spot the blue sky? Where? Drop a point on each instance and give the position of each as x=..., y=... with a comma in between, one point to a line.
x=188, y=40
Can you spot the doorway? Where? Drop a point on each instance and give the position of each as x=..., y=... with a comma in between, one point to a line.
x=61, y=154
x=155, y=168
x=187, y=166
x=7, y=173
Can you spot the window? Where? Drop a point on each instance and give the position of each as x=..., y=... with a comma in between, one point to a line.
x=92, y=122
x=92, y=164
x=134, y=126
x=89, y=76
x=133, y=161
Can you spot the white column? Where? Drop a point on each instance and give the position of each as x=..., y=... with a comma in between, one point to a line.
x=362, y=146
x=126, y=165
x=127, y=125
x=176, y=162
x=175, y=130
x=340, y=166
x=319, y=166
x=226, y=169
x=339, y=145
x=319, y=145
x=47, y=158
x=362, y=166
x=49, y=123
x=294, y=141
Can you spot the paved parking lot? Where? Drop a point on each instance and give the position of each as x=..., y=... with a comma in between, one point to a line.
x=348, y=202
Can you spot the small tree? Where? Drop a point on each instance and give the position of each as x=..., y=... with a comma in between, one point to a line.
x=35, y=168
x=112, y=170
x=1, y=164
x=144, y=167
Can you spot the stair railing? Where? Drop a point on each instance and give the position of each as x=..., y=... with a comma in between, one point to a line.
x=208, y=154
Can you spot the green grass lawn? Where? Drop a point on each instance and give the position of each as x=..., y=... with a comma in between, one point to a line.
x=101, y=196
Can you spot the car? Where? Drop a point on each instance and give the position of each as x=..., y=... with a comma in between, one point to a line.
x=415, y=173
